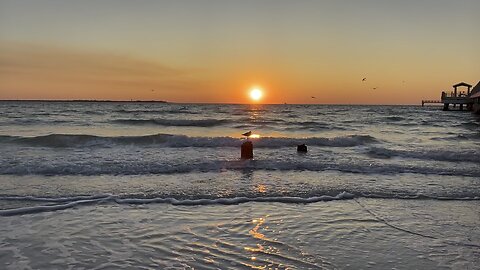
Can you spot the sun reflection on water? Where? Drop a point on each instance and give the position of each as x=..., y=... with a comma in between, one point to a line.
x=262, y=188
x=258, y=249
x=254, y=232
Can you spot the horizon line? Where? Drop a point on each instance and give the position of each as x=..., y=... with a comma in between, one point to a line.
x=171, y=102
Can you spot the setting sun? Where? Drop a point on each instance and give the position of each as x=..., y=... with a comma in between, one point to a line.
x=256, y=94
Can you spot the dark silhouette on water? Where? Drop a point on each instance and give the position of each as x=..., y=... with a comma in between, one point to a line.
x=302, y=148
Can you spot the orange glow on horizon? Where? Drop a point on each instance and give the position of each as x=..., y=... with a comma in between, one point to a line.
x=31, y=71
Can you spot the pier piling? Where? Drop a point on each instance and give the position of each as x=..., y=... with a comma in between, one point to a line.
x=247, y=150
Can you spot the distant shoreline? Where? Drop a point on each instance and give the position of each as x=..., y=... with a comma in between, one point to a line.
x=80, y=100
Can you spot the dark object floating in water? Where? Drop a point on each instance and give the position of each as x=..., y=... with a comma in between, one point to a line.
x=302, y=148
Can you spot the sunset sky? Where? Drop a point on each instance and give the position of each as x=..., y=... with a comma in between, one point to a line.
x=214, y=51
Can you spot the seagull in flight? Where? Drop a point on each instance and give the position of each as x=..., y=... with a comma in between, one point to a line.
x=313, y=97
x=364, y=79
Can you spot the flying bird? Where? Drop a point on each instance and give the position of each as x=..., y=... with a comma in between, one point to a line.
x=364, y=79
x=374, y=88
x=313, y=97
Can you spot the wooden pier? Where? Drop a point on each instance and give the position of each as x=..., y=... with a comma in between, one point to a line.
x=457, y=98
x=463, y=99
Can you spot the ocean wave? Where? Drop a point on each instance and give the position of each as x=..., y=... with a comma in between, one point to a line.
x=471, y=124
x=34, y=121
x=260, y=121
x=317, y=195
x=437, y=155
x=62, y=203
x=459, y=137
x=394, y=119
x=172, y=201
x=46, y=208
x=248, y=110
x=166, y=111
x=154, y=167
x=93, y=112
x=173, y=122
x=312, y=125
x=54, y=199
x=178, y=141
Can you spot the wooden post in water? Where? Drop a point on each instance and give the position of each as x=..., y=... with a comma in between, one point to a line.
x=247, y=150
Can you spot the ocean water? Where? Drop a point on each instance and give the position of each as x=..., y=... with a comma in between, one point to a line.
x=105, y=185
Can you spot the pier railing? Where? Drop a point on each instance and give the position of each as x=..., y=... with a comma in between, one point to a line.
x=452, y=95
x=449, y=100
x=456, y=100
x=430, y=101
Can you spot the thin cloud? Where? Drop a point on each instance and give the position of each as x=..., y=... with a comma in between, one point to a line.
x=54, y=68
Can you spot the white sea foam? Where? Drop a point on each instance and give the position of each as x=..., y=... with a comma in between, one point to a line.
x=167, y=140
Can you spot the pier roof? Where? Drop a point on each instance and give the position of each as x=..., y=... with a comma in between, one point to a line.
x=475, y=90
x=462, y=84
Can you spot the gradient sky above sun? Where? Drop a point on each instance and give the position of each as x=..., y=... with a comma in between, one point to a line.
x=216, y=51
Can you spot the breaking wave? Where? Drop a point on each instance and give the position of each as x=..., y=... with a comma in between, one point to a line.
x=178, y=141
x=105, y=167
